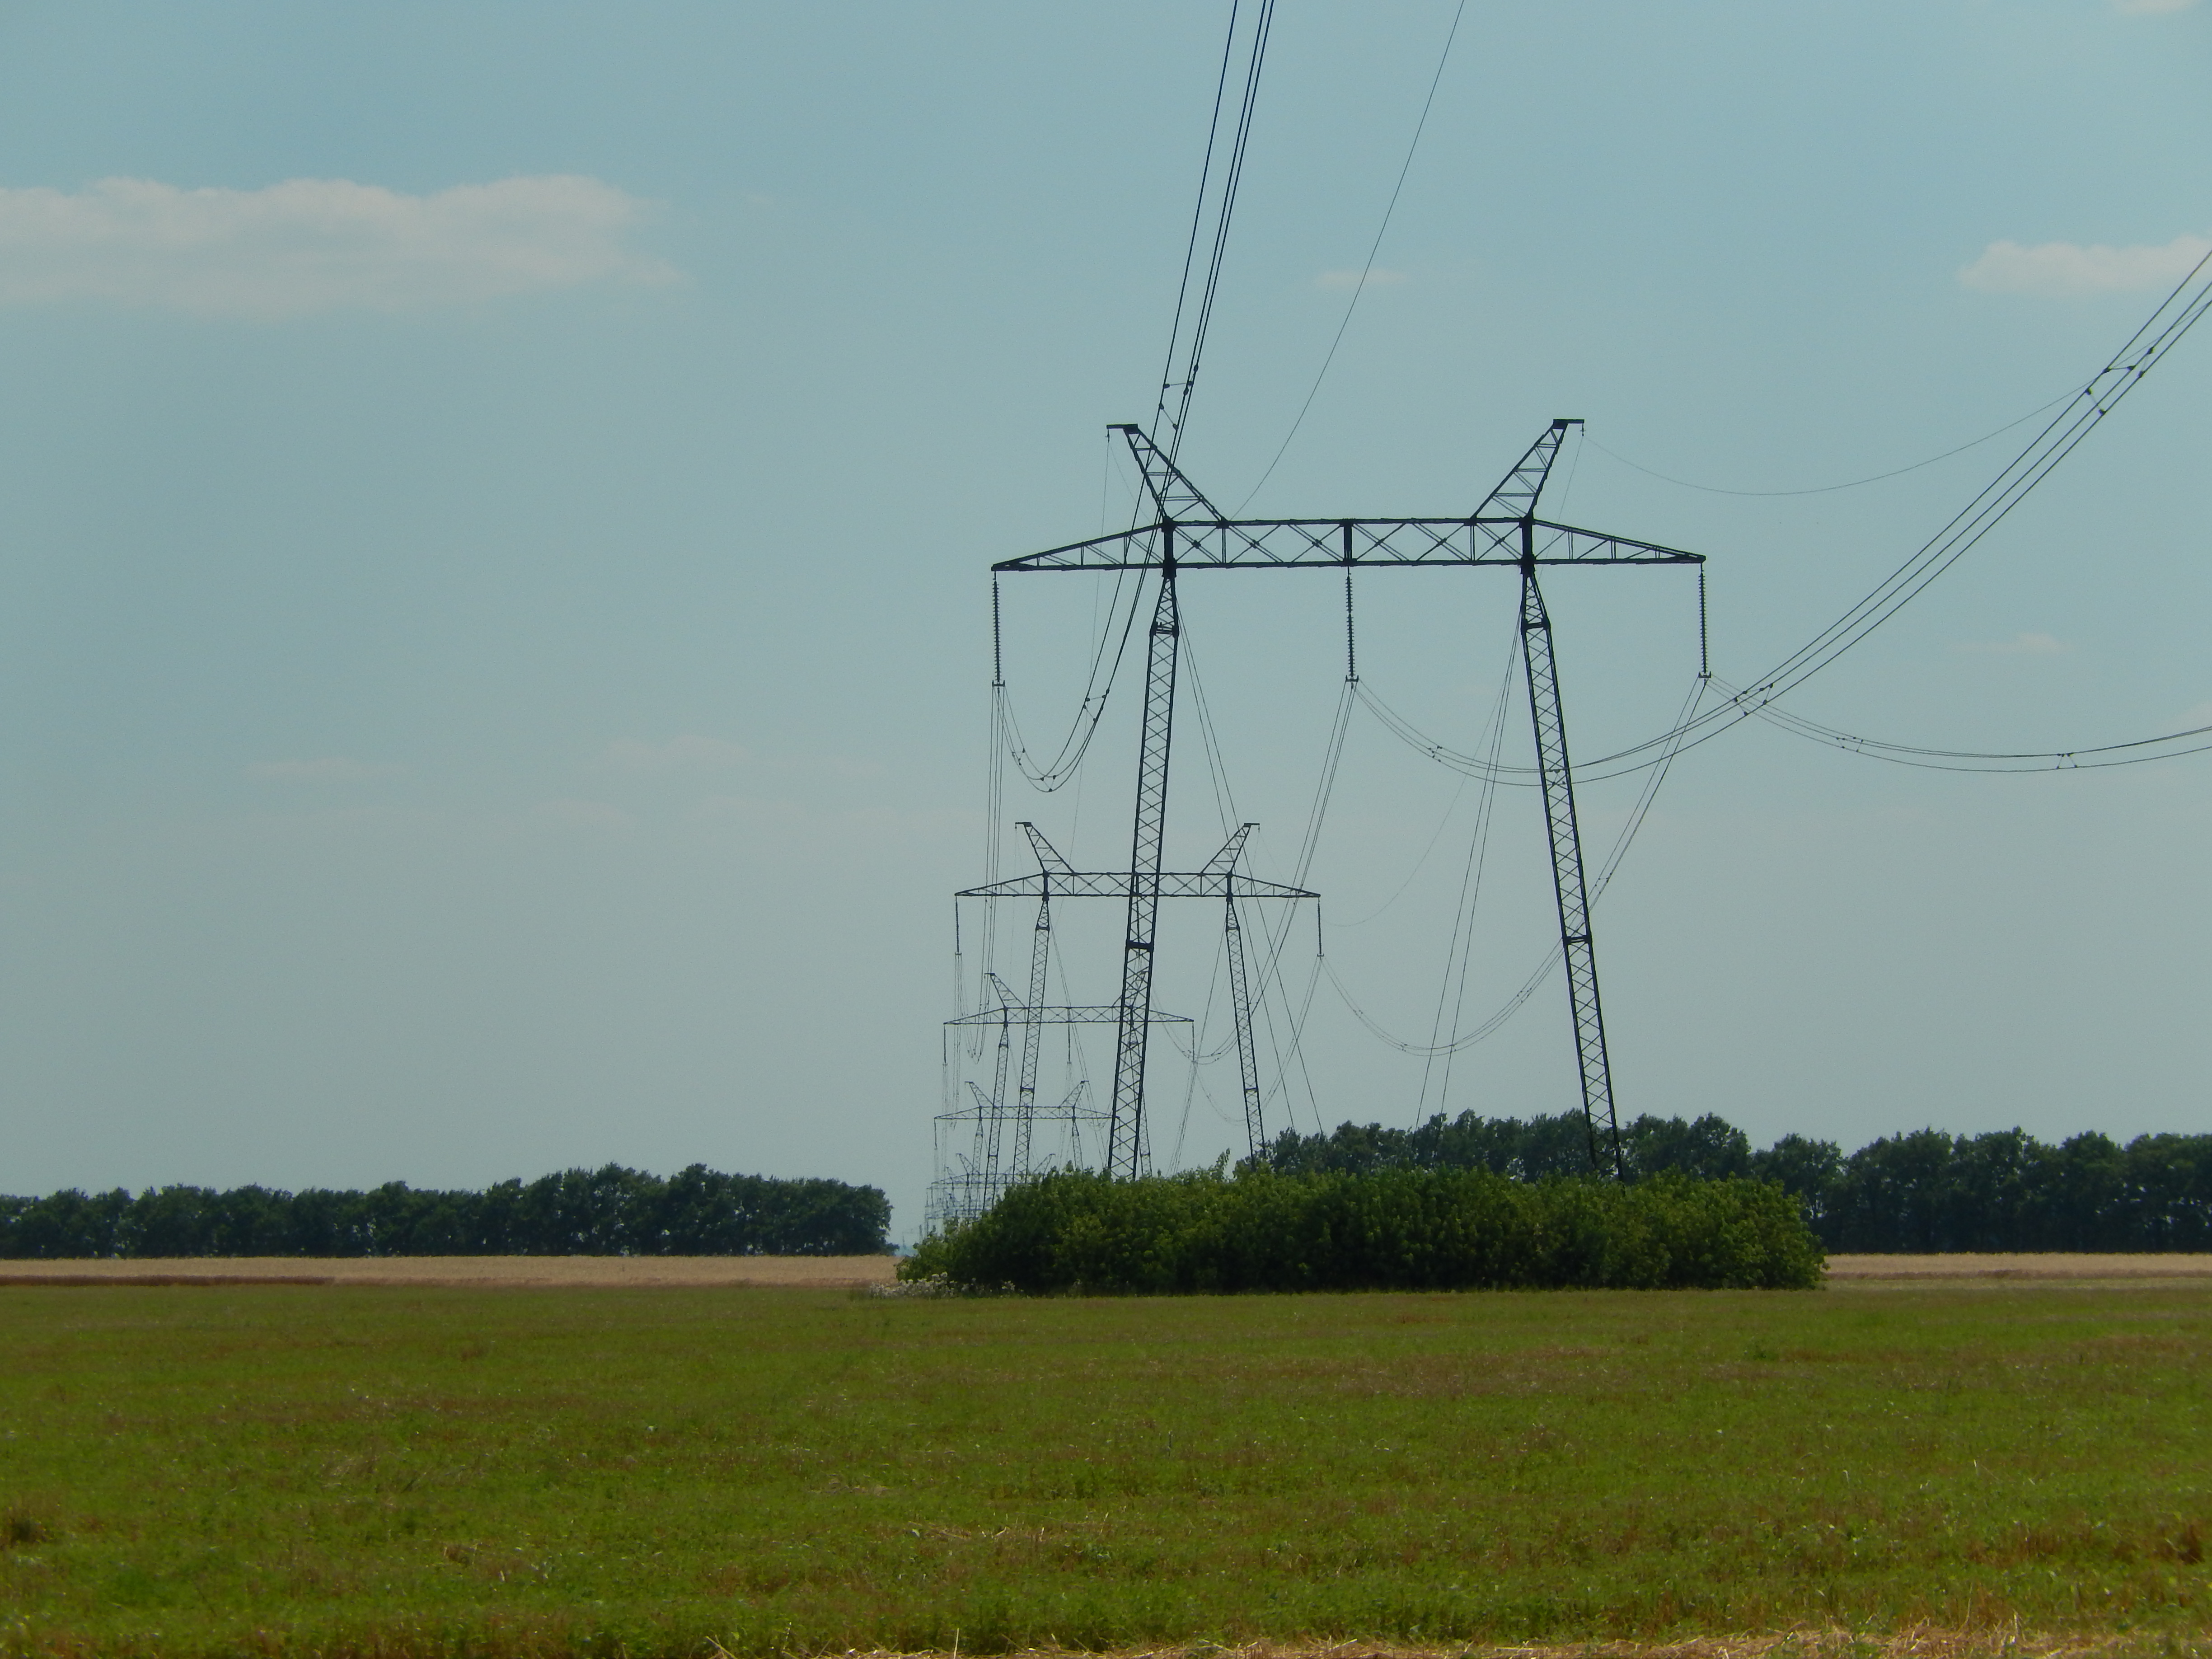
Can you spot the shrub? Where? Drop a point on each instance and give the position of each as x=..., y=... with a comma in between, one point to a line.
x=1397, y=1229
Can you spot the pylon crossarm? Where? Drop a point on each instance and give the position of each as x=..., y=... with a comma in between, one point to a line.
x=1105, y=1013
x=1114, y=883
x=1566, y=543
x=1336, y=543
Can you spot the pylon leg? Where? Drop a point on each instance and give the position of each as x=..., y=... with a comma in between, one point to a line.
x=1032, y=1036
x=1128, y=1153
x=1248, y=1065
x=1575, y=939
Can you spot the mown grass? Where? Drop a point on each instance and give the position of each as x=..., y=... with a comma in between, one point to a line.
x=336, y=1470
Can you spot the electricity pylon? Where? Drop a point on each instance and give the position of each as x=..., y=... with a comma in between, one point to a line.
x=1189, y=533
x=1127, y=1150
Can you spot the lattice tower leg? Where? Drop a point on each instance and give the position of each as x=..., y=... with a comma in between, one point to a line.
x=1240, y=1007
x=991, y=1124
x=1032, y=1040
x=1128, y=1153
x=1575, y=940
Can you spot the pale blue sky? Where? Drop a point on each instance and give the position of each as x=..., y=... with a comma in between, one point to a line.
x=496, y=680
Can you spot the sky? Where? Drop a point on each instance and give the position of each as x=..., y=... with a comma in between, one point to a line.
x=496, y=504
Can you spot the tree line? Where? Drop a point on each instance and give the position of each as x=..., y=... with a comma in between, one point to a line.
x=608, y=1211
x=1922, y=1192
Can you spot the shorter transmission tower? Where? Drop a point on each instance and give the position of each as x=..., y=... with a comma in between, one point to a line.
x=998, y=1128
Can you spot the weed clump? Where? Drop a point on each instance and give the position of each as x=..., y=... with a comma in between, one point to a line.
x=18, y=1527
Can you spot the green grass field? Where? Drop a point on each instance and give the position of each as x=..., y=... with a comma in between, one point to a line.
x=337, y=1470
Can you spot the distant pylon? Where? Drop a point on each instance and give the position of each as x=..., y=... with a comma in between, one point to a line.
x=970, y=1184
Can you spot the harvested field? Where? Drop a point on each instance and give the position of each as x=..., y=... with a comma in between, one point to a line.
x=472, y=1272
x=1998, y=1269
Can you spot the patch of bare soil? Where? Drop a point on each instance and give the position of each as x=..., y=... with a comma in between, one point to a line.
x=1996, y=1269
x=480, y=1272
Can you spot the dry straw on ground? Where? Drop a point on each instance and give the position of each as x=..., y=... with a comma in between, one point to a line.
x=1996, y=1268
x=845, y=1272
x=473, y=1272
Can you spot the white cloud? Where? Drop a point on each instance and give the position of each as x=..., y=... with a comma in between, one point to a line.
x=330, y=769
x=2066, y=270
x=2020, y=645
x=2151, y=8
x=676, y=754
x=313, y=245
x=1346, y=279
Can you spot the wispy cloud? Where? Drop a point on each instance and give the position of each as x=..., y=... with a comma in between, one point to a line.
x=688, y=753
x=893, y=825
x=315, y=245
x=2067, y=271
x=575, y=814
x=1351, y=279
x=2020, y=645
x=330, y=769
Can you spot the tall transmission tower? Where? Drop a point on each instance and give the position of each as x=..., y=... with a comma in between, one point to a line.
x=1189, y=533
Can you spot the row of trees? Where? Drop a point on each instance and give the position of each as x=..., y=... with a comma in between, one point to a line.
x=1927, y=1191
x=608, y=1212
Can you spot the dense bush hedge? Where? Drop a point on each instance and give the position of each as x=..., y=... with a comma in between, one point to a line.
x=1389, y=1230
x=1927, y=1191
x=608, y=1212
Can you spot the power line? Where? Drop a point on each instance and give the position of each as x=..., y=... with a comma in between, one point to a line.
x=2167, y=326
x=1463, y=1040
x=1830, y=489
x=1459, y=955
x=1970, y=760
x=1055, y=774
x=1090, y=711
x=1367, y=270
x=2081, y=413
x=2164, y=329
x=1182, y=389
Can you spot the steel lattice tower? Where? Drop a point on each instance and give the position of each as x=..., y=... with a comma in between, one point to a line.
x=1189, y=533
x=990, y=1170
